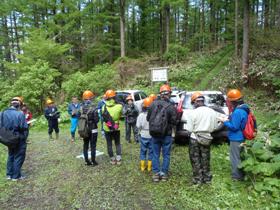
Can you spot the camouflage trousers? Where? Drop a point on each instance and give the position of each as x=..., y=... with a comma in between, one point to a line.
x=200, y=160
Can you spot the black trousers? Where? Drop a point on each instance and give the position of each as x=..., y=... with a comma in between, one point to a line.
x=110, y=136
x=92, y=140
x=53, y=125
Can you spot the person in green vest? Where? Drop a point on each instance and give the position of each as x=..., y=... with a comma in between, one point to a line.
x=111, y=114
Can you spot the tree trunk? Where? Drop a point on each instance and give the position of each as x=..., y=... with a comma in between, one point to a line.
x=202, y=26
x=16, y=33
x=245, y=51
x=212, y=20
x=167, y=26
x=266, y=14
x=122, y=27
x=6, y=42
x=278, y=19
x=186, y=24
x=161, y=33
x=236, y=29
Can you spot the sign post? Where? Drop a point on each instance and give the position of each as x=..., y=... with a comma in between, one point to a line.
x=159, y=74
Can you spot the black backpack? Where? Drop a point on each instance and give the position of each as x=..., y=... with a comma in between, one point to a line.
x=158, y=123
x=7, y=136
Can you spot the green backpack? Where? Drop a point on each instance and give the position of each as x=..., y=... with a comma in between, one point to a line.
x=83, y=127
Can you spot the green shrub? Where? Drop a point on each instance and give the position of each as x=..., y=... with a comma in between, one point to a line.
x=98, y=80
x=176, y=53
x=35, y=84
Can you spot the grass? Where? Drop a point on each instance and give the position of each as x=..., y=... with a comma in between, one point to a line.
x=57, y=180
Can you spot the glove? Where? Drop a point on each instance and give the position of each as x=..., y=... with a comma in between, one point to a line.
x=116, y=126
x=109, y=124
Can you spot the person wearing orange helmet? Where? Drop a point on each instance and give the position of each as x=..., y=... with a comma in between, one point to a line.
x=130, y=113
x=146, y=139
x=161, y=117
x=202, y=121
x=87, y=127
x=52, y=114
x=111, y=114
x=14, y=120
x=236, y=124
x=73, y=111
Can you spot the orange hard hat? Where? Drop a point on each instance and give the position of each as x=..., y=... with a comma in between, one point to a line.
x=87, y=95
x=49, y=101
x=153, y=96
x=165, y=88
x=147, y=102
x=234, y=95
x=196, y=95
x=110, y=94
x=129, y=98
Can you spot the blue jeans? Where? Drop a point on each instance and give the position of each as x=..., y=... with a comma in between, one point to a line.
x=146, y=146
x=16, y=157
x=163, y=144
x=74, y=124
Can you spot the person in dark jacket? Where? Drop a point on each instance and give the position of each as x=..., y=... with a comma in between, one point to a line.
x=130, y=112
x=100, y=104
x=73, y=110
x=236, y=124
x=14, y=119
x=52, y=115
x=89, y=109
x=163, y=142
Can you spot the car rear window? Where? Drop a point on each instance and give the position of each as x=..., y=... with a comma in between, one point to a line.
x=210, y=100
x=143, y=95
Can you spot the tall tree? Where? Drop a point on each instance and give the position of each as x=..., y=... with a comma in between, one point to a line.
x=245, y=51
x=122, y=27
x=236, y=28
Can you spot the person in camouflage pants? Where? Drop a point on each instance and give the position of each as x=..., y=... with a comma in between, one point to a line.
x=201, y=123
x=200, y=160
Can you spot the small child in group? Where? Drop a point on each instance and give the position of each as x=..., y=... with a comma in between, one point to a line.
x=146, y=139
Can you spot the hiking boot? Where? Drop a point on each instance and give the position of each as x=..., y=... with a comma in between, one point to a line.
x=88, y=163
x=156, y=177
x=94, y=163
x=18, y=179
x=164, y=178
x=119, y=162
x=113, y=161
x=72, y=139
x=50, y=137
x=8, y=177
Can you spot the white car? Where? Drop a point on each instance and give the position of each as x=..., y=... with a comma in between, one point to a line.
x=176, y=96
x=137, y=95
x=213, y=99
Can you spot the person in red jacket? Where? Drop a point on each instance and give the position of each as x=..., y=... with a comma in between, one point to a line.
x=28, y=117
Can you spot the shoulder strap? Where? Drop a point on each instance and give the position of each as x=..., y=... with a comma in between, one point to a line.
x=2, y=118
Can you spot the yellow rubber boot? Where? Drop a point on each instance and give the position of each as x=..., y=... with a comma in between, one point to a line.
x=142, y=165
x=149, y=165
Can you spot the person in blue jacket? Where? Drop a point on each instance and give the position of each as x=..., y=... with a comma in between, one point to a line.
x=73, y=110
x=100, y=104
x=14, y=119
x=236, y=124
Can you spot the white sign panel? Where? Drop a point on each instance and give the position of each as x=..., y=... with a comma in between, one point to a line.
x=159, y=74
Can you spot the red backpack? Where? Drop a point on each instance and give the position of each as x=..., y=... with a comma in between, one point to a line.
x=250, y=130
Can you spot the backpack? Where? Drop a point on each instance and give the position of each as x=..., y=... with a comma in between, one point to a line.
x=7, y=136
x=83, y=126
x=158, y=123
x=250, y=130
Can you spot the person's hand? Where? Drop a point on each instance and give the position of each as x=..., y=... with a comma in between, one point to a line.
x=223, y=118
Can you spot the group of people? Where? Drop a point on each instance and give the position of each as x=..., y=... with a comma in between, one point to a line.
x=152, y=128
